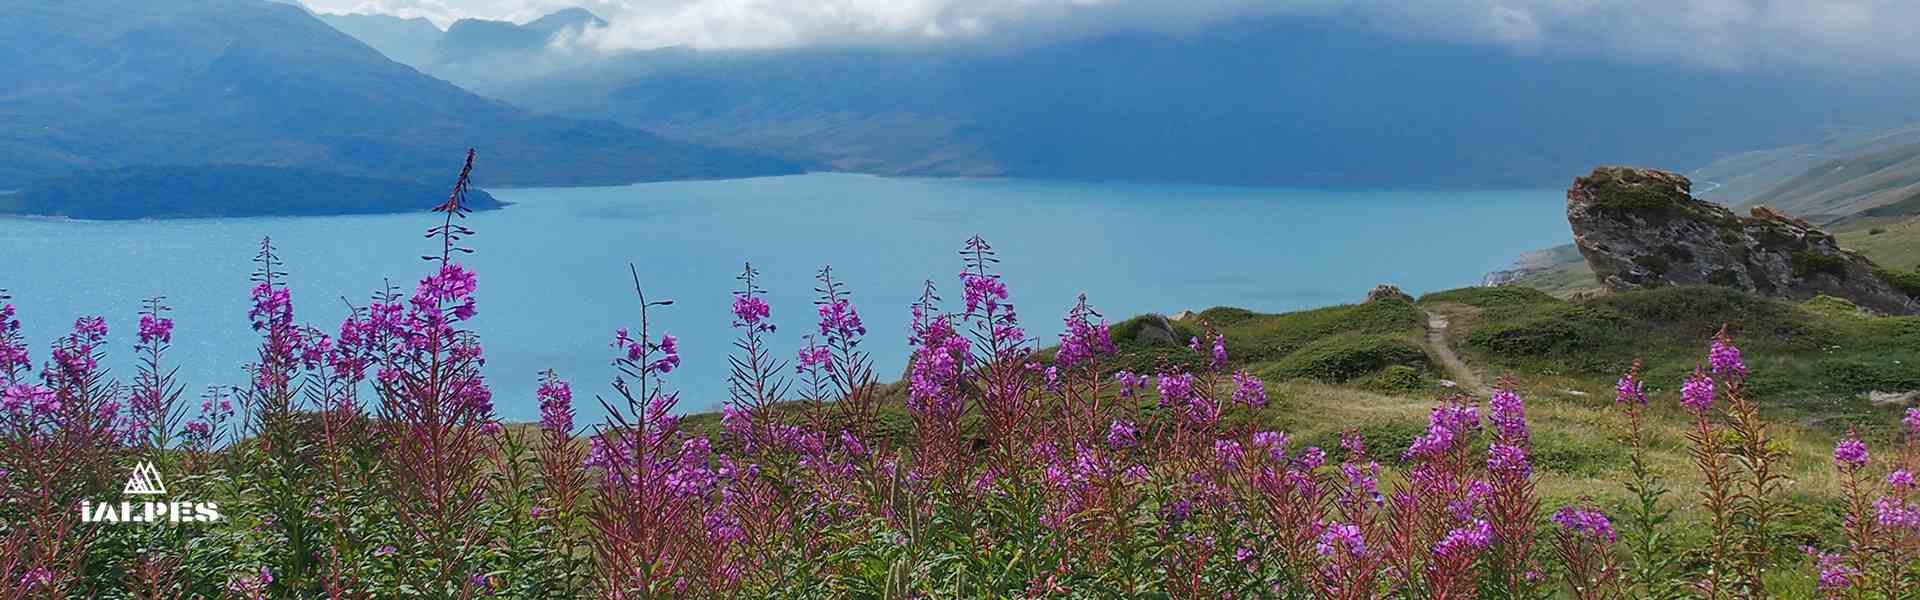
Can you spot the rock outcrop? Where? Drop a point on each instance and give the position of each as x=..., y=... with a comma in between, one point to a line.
x=1642, y=228
x=1387, y=291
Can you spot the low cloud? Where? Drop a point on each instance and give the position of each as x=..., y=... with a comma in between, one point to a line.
x=1718, y=33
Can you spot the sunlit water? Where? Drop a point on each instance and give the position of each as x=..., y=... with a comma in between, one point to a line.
x=554, y=282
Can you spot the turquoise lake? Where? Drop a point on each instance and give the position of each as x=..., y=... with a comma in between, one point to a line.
x=554, y=282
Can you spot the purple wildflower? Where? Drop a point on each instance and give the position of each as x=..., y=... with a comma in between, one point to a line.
x=556, y=404
x=1249, y=390
x=1464, y=540
x=1725, y=357
x=1342, y=538
x=1129, y=382
x=751, y=312
x=1697, y=393
x=154, y=328
x=1121, y=434
x=1900, y=479
x=1850, y=453
x=1630, y=390
x=1590, y=523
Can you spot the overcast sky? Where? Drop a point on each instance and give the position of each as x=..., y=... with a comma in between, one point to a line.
x=1719, y=33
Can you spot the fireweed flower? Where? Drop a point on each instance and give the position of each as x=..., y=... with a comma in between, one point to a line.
x=1508, y=414
x=1897, y=513
x=1630, y=390
x=1901, y=480
x=838, y=318
x=1464, y=540
x=1121, y=434
x=1590, y=523
x=1725, y=357
x=1227, y=452
x=13, y=351
x=940, y=360
x=1835, y=574
x=1509, y=461
x=751, y=312
x=1448, y=426
x=1339, y=538
x=1083, y=338
x=1912, y=421
x=1697, y=393
x=154, y=328
x=1274, y=442
x=1129, y=382
x=1176, y=389
x=556, y=405
x=813, y=356
x=1249, y=390
x=1850, y=453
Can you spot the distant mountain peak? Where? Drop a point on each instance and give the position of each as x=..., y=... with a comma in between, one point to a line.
x=565, y=18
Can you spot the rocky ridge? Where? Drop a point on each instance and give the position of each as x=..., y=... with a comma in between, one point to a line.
x=1642, y=228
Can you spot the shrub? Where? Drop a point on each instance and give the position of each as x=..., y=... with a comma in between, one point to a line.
x=1342, y=358
x=1809, y=262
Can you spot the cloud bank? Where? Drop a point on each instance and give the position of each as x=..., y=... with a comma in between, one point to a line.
x=1719, y=33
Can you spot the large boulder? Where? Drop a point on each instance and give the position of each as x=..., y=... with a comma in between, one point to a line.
x=1642, y=228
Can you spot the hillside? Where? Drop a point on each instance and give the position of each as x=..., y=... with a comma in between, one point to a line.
x=225, y=191
x=407, y=41
x=1836, y=189
x=1738, y=179
x=100, y=84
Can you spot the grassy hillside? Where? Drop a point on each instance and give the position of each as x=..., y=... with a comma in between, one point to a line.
x=1739, y=178
x=1837, y=189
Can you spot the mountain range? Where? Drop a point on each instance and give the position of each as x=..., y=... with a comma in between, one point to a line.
x=103, y=84
x=1265, y=101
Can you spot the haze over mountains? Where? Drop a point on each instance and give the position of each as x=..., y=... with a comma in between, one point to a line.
x=100, y=84
x=1274, y=100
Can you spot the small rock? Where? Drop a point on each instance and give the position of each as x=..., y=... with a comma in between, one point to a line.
x=1886, y=398
x=1386, y=291
x=1574, y=392
x=1449, y=383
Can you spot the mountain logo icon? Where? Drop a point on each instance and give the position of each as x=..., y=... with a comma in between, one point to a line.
x=145, y=481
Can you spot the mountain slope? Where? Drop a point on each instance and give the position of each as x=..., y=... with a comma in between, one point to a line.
x=407, y=41
x=1837, y=189
x=1742, y=177
x=1267, y=101
x=99, y=84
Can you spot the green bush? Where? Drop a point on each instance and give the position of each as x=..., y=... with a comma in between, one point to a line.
x=1397, y=379
x=1808, y=262
x=1908, y=282
x=1344, y=358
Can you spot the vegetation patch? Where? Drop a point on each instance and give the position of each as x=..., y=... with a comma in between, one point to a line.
x=1343, y=358
x=1809, y=262
x=1908, y=282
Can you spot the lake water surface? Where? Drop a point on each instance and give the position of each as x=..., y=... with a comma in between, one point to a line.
x=554, y=282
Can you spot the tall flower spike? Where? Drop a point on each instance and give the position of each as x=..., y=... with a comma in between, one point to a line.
x=1725, y=357
x=455, y=206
